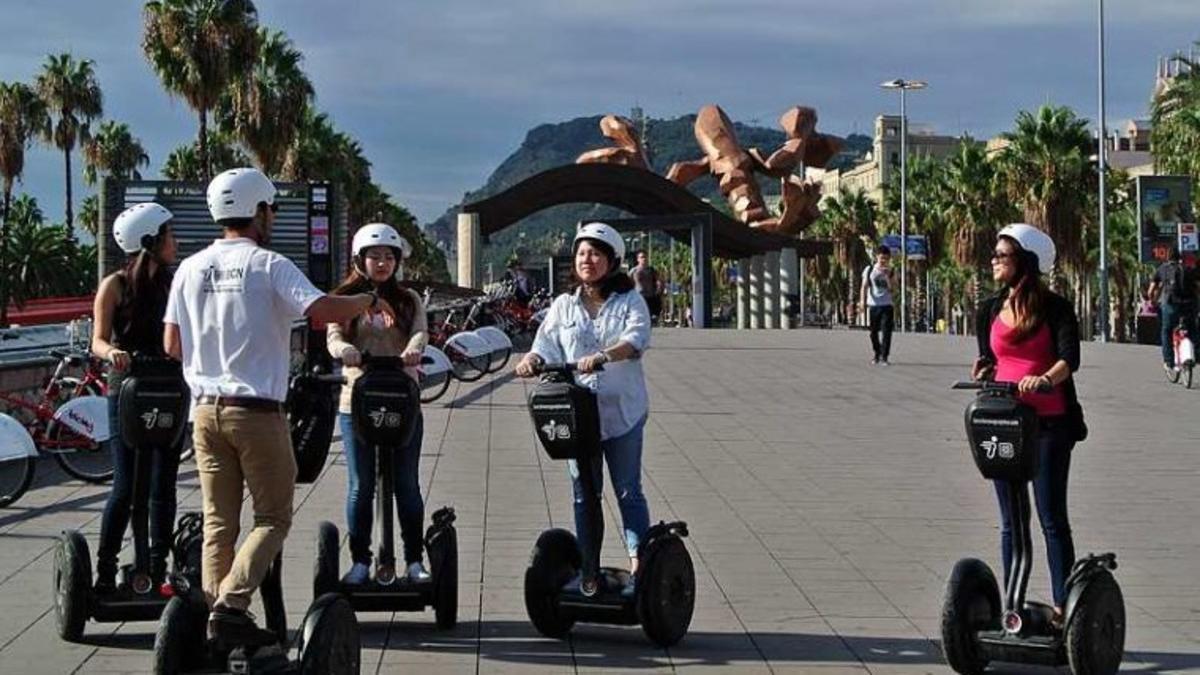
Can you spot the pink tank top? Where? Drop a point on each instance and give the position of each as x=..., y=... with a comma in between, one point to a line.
x=1032, y=356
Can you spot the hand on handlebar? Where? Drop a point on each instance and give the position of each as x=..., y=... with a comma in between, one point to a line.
x=983, y=369
x=411, y=357
x=120, y=359
x=592, y=363
x=528, y=366
x=1034, y=383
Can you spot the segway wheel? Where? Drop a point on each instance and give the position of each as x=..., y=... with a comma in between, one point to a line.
x=329, y=640
x=555, y=559
x=971, y=604
x=179, y=642
x=325, y=570
x=72, y=585
x=444, y=562
x=666, y=593
x=1096, y=632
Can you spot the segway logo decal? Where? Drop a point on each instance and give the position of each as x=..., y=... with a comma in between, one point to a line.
x=162, y=420
x=556, y=431
x=995, y=447
x=383, y=419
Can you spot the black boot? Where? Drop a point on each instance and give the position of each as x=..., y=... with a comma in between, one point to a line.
x=232, y=628
x=106, y=580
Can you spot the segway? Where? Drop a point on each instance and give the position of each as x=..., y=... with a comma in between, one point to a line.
x=153, y=404
x=326, y=644
x=978, y=625
x=567, y=422
x=385, y=405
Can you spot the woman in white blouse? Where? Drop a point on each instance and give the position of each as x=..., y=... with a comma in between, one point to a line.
x=605, y=322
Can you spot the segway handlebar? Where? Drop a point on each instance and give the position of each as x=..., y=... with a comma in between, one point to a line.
x=367, y=362
x=559, y=368
x=992, y=386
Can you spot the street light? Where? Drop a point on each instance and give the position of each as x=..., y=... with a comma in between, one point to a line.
x=1101, y=137
x=903, y=85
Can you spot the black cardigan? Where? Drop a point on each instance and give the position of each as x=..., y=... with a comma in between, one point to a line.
x=1064, y=329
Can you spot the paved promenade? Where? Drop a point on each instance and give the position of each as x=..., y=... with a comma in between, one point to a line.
x=827, y=500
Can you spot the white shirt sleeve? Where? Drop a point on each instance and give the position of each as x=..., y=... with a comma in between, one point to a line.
x=546, y=343
x=637, y=323
x=175, y=299
x=293, y=291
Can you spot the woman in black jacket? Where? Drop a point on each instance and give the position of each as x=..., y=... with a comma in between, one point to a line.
x=1029, y=335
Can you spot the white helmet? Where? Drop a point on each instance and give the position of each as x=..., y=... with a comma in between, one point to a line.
x=137, y=222
x=605, y=233
x=236, y=193
x=1035, y=241
x=380, y=234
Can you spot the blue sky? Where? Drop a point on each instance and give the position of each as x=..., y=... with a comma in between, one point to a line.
x=439, y=93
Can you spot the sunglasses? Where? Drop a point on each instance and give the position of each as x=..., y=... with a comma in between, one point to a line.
x=1001, y=255
x=274, y=206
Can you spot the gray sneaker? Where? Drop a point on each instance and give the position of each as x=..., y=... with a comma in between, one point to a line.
x=358, y=575
x=416, y=572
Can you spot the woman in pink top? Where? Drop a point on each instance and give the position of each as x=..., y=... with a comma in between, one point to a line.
x=1029, y=335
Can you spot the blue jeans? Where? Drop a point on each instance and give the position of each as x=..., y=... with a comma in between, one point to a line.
x=624, y=455
x=360, y=497
x=155, y=509
x=1169, y=317
x=1054, y=447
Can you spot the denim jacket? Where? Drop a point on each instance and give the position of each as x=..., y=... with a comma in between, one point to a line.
x=569, y=334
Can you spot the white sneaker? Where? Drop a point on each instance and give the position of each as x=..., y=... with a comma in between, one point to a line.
x=416, y=572
x=358, y=575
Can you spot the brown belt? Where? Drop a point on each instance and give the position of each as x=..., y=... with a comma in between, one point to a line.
x=246, y=402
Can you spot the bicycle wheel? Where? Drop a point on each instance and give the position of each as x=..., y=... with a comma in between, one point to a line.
x=434, y=386
x=467, y=368
x=91, y=462
x=16, y=475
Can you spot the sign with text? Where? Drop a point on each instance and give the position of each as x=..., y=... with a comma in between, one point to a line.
x=916, y=249
x=1163, y=203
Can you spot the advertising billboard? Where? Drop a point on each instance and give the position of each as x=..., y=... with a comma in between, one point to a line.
x=916, y=249
x=1163, y=203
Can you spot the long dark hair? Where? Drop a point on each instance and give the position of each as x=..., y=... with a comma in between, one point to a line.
x=399, y=297
x=144, y=294
x=615, y=281
x=1028, y=295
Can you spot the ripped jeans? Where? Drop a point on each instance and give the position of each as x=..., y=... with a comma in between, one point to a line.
x=624, y=457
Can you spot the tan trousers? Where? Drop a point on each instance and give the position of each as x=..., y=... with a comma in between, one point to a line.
x=236, y=446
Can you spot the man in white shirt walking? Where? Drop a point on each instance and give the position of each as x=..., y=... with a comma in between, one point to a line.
x=229, y=319
x=877, y=297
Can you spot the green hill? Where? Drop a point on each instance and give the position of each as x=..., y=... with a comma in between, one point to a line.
x=551, y=145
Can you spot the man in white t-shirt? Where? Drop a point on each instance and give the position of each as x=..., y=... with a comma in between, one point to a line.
x=876, y=293
x=229, y=320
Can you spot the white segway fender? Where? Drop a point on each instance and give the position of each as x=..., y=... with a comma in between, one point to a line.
x=15, y=441
x=469, y=344
x=495, y=337
x=441, y=363
x=86, y=416
x=1187, y=352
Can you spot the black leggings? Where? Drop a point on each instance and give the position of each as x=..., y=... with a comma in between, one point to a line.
x=883, y=319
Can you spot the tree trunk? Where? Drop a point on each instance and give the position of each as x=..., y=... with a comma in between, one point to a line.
x=4, y=254
x=70, y=214
x=202, y=147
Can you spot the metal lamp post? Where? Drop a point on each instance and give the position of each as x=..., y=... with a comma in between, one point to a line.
x=1102, y=151
x=903, y=85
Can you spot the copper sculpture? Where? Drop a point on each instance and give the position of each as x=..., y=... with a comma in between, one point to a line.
x=736, y=168
x=629, y=147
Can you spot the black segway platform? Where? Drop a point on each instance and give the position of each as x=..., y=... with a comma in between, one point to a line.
x=154, y=405
x=566, y=420
x=385, y=406
x=326, y=644
x=978, y=625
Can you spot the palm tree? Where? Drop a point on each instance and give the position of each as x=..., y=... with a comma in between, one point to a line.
x=73, y=97
x=850, y=220
x=184, y=162
x=42, y=258
x=115, y=151
x=1047, y=172
x=1175, y=113
x=89, y=214
x=23, y=118
x=266, y=104
x=198, y=48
